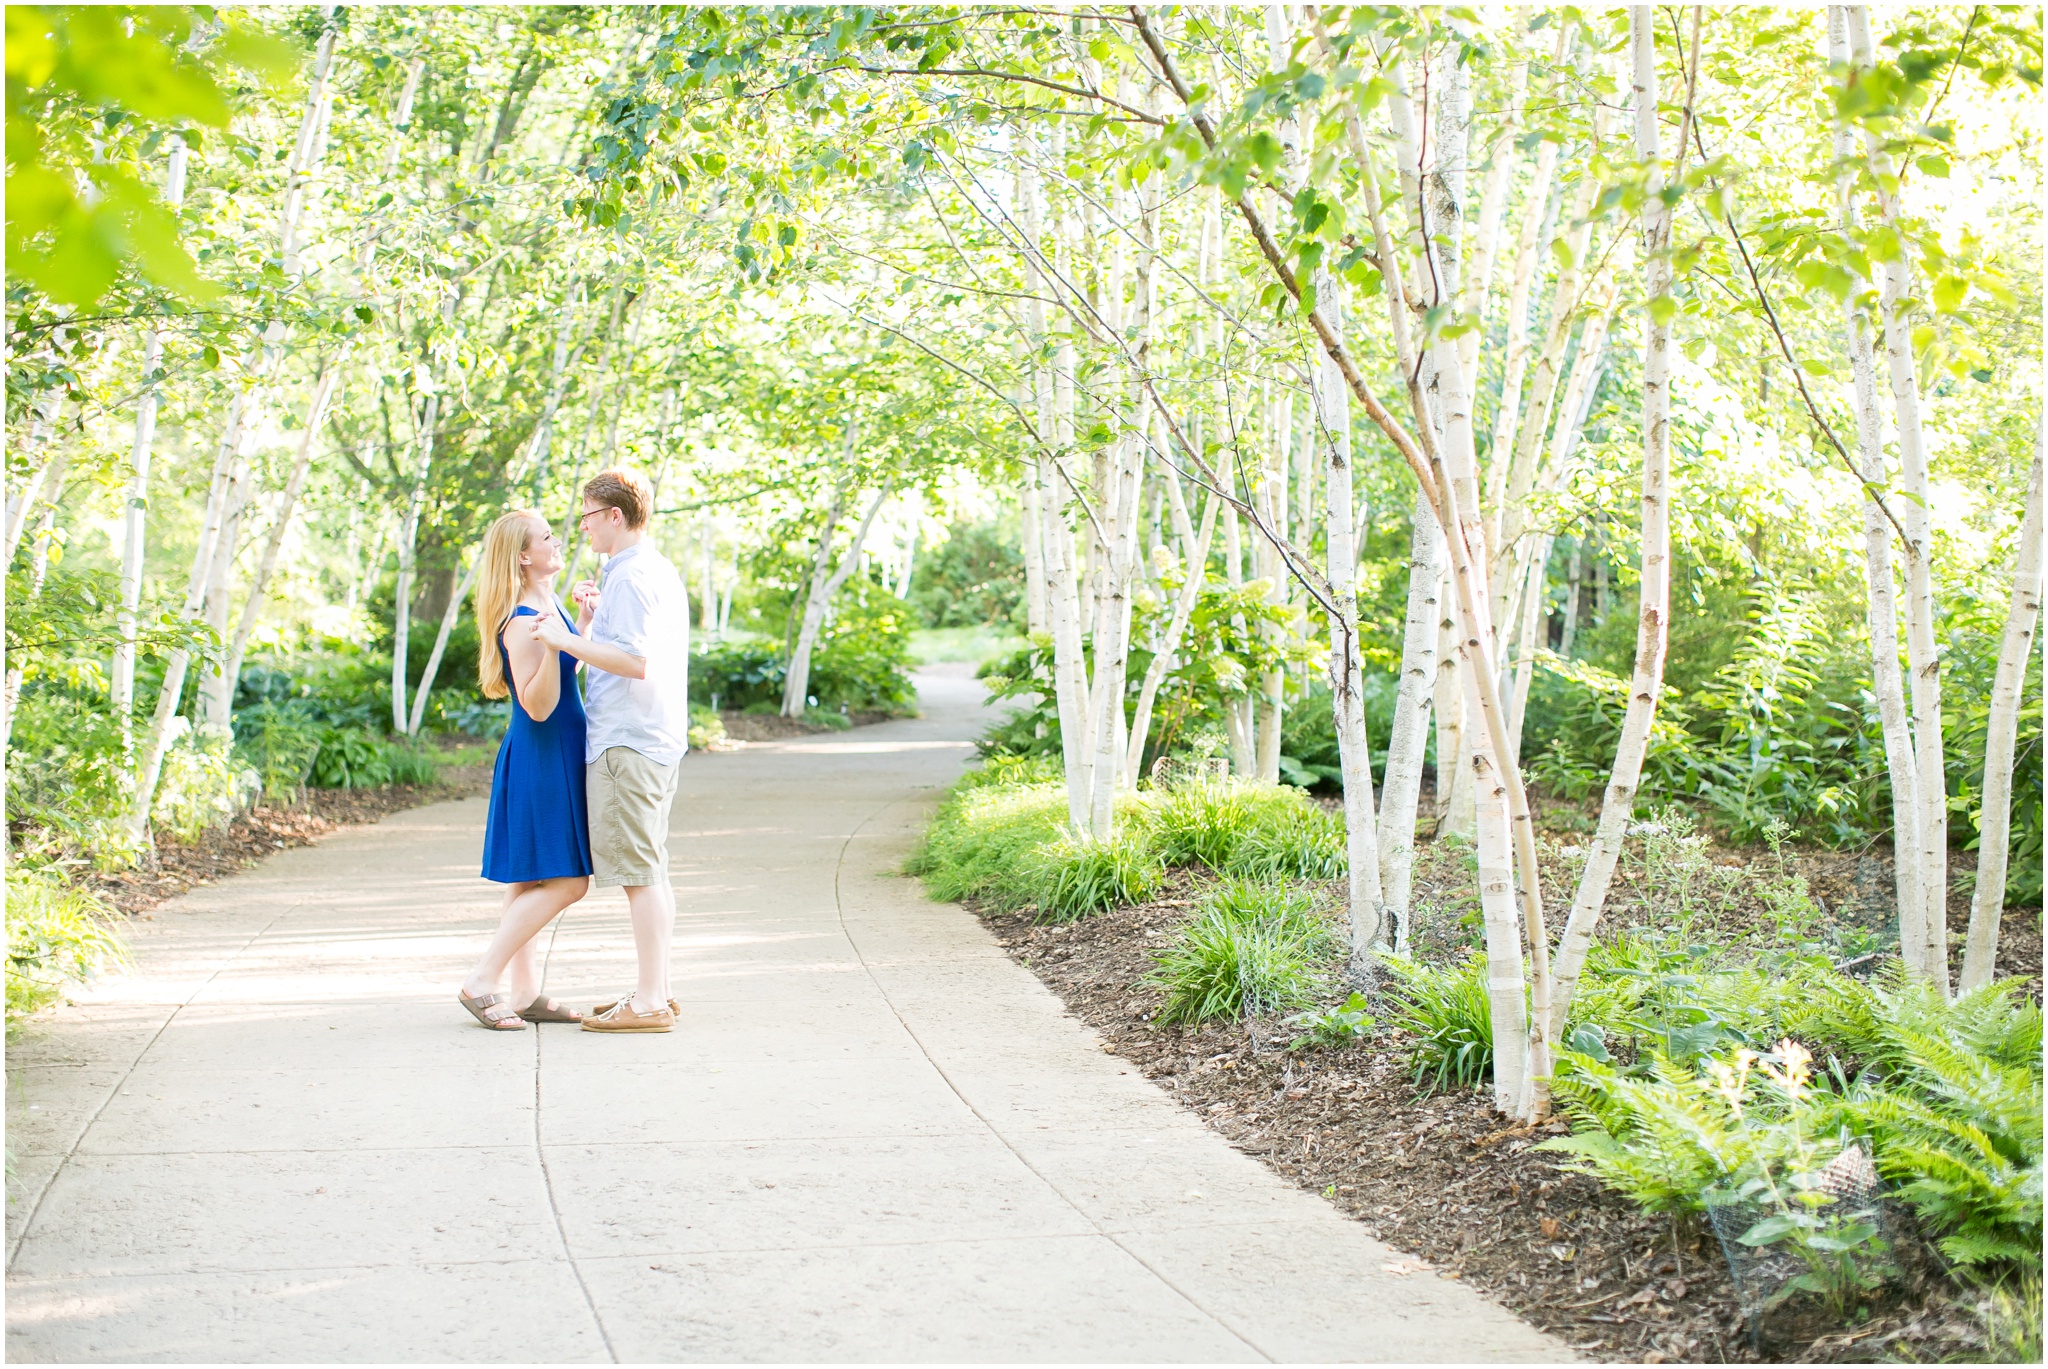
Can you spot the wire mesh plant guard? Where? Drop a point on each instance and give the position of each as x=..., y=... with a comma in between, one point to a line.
x=1830, y=1231
x=1173, y=772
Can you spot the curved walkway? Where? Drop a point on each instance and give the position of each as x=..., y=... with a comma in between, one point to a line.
x=871, y=1137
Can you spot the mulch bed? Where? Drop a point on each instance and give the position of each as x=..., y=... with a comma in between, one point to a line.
x=263, y=831
x=773, y=727
x=1444, y=1179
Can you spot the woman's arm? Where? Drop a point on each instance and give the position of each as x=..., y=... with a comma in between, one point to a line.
x=600, y=655
x=536, y=679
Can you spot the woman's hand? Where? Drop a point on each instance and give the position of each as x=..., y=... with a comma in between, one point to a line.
x=536, y=682
x=551, y=632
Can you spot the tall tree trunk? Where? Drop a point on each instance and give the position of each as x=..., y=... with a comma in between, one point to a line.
x=1653, y=613
x=797, y=682
x=41, y=450
x=252, y=607
x=38, y=573
x=1930, y=957
x=216, y=690
x=2008, y=685
x=1194, y=575
x=1402, y=791
x=150, y=757
x=408, y=551
x=1113, y=632
x=530, y=459
x=135, y=514
x=1366, y=894
x=1881, y=610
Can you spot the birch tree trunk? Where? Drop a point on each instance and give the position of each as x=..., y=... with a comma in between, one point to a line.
x=2008, y=685
x=38, y=573
x=408, y=550
x=797, y=682
x=531, y=459
x=1402, y=792
x=1653, y=612
x=1113, y=620
x=135, y=514
x=252, y=607
x=1347, y=679
x=1930, y=957
x=150, y=759
x=1194, y=575
x=1881, y=610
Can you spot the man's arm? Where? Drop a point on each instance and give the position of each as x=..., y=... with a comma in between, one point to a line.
x=596, y=655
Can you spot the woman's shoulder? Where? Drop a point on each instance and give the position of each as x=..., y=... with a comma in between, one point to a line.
x=525, y=611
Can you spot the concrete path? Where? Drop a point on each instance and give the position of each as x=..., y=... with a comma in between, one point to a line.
x=872, y=1137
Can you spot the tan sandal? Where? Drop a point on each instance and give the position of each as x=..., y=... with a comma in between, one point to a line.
x=503, y=1019
x=545, y=1009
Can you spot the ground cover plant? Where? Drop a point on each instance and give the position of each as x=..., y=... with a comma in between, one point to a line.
x=1723, y=1074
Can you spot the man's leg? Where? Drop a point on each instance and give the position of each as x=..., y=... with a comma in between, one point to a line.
x=654, y=926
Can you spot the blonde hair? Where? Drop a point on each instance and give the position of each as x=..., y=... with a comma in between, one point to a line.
x=500, y=580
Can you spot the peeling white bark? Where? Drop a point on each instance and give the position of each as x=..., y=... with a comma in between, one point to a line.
x=2015, y=655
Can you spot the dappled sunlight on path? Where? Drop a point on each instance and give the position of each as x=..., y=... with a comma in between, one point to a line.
x=871, y=1135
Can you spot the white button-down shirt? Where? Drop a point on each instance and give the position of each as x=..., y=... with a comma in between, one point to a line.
x=645, y=611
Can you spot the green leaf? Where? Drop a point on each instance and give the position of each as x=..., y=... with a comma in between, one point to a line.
x=1770, y=1229
x=1948, y=293
x=1663, y=308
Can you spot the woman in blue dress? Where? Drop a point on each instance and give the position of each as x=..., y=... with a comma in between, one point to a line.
x=537, y=837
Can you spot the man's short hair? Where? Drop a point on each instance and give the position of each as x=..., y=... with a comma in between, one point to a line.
x=624, y=490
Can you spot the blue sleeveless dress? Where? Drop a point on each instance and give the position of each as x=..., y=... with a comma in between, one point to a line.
x=539, y=824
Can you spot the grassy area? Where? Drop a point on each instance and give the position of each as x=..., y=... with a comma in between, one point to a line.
x=974, y=645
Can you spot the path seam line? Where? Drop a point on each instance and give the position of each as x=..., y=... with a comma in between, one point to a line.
x=540, y=1155
x=14, y=1254
x=839, y=907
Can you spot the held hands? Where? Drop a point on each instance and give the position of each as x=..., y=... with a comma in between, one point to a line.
x=585, y=596
x=549, y=631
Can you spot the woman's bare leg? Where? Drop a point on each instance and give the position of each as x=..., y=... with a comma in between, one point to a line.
x=523, y=982
x=528, y=909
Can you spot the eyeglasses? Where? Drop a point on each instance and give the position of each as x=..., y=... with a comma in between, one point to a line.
x=602, y=508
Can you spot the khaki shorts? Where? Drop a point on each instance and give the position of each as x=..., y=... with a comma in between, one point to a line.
x=629, y=801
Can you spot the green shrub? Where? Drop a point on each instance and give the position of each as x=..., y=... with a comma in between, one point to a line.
x=982, y=836
x=1952, y=1103
x=67, y=784
x=281, y=746
x=1251, y=949
x=707, y=729
x=1447, y=1012
x=56, y=932
x=1249, y=831
x=351, y=758
x=1072, y=877
x=1346, y=1023
x=975, y=578
x=204, y=784
x=1949, y=1102
x=1011, y=770
x=412, y=763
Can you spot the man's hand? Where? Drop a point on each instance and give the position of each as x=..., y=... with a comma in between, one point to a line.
x=585, y=596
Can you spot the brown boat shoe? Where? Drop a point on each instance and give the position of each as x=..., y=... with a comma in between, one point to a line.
x=606, y=1007
x=621, y=1017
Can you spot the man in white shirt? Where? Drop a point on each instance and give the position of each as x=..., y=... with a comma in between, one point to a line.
x=636, y=642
